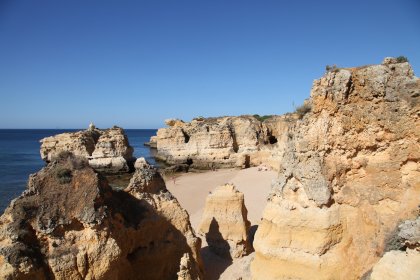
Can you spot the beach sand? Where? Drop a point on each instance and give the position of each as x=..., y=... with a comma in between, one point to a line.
x=191, y=190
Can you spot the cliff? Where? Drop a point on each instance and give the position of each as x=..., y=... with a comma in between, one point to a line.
x=107, y=150
x=69, y=224
x=349, y=173
x=206, y=143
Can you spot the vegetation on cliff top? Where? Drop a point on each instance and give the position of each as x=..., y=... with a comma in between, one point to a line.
x=262, y=118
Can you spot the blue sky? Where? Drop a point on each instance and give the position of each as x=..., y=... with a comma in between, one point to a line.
x=136, y=63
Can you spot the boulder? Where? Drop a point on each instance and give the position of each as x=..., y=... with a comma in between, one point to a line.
x=225, y=223
x=409, y=233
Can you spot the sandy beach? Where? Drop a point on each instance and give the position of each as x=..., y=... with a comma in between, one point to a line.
x=191, y=190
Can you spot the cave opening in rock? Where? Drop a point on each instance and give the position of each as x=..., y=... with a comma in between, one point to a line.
x=189, y=161
x=247, y=162
x=272, y=139
x=186, y=136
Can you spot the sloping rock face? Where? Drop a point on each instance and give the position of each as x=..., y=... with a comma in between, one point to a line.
x=403, y=262
x=397, y=265
x=225, y=222
x=219, y=142
x=107, y=150
x=69, y=224
x=349, y=173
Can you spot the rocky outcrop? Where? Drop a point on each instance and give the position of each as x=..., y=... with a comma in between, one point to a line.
x=188, y=269
x=403, y=259
x=107, y=150
x=69, y=224
x=152, y=143
x=225, y=223
x=349, y=173
x=206, y=143
x=112, y=152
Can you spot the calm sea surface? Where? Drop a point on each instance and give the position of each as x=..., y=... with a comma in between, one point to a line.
x=19, y=156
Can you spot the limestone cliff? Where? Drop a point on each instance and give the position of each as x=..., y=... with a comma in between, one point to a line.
x=349, y=173
x=107, y=150
x=205, y=143
x=225, y=223
x=69, y=224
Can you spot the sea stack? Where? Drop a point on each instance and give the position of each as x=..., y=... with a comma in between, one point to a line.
x=107, y=150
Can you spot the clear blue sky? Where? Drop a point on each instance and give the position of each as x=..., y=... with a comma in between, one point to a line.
x=135, y=63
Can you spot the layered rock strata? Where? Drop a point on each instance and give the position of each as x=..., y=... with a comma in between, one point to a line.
x=225, y=223
x=107, y=150
x=349, y=173
x=207, y=143
x=69, y=224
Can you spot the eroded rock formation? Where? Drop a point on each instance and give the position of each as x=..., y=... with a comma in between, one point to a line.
x=69, y=224
x=107, y=150
x=349, y=173
x=225, y=223
x=205, y=143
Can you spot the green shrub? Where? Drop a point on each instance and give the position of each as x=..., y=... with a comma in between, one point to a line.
x=262, y=118
x=63, y=175
x=303, y=109
x=332, y=68
x=63, y=155
x=199, y=118
x=402, y=59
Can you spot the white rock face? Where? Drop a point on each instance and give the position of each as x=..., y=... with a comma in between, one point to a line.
x=395, y=265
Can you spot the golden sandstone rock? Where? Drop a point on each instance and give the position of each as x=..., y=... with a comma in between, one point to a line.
x=225, y=223
x=207, y=143
x=349, y=174
x=107, y=150
x=69, y=224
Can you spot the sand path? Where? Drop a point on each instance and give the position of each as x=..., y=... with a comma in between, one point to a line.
x=191, y=190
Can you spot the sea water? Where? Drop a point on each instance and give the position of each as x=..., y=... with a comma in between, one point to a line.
x=20, y=157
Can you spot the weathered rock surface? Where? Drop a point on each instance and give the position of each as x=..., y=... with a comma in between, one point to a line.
x=207, y=143
x=225, y=223
x=69, y=224
x=409, y=233
x=349, y=173
x=107, y=150
x=403, y=259
x=397, y=265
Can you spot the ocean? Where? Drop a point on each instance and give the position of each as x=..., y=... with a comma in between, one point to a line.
x=19, y=156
